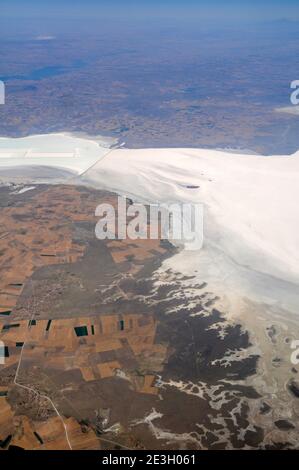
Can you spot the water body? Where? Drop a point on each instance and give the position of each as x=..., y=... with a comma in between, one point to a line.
x=43, y=72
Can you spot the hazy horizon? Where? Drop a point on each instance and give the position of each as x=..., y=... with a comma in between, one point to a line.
x=212, y=10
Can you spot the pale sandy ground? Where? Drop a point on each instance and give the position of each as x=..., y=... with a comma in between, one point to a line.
x=250, y=257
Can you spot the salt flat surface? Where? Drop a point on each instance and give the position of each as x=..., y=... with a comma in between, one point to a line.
x=253, y=198
x=251, y=216
x=55, y=150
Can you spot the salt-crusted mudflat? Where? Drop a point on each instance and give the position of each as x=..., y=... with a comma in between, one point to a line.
x=250, y=256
